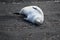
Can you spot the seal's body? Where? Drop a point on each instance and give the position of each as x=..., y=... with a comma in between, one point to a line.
x=34, y=14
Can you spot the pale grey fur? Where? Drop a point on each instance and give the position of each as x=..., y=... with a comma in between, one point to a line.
x=34, y=14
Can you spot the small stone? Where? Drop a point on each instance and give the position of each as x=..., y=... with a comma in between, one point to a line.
x=57, y=35
x=4, y=3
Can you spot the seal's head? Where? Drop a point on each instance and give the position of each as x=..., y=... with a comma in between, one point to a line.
x=38, y=21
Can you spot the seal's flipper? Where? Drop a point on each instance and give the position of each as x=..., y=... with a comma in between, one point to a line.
x=16, y=13
x=38, y=9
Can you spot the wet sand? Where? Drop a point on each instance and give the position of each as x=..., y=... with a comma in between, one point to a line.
x=13, y=27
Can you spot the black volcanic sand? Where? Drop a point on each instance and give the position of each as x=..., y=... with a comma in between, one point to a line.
x=13, y=27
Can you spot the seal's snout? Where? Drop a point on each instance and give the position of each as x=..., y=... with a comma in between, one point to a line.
x=37, y=21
